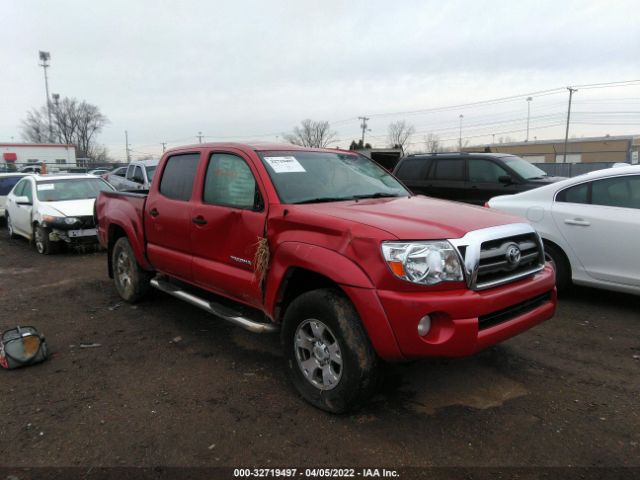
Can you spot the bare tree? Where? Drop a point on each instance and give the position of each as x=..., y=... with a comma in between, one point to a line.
x=432, y=143
x=400, y=133
x=73, y=122
x=311, y=134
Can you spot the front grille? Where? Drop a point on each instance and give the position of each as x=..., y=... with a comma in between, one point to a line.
x=498, y=255
x=86, y=221
x=495, y=264
x=494, y=318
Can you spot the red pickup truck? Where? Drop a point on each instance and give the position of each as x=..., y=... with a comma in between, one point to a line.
x=332, y=251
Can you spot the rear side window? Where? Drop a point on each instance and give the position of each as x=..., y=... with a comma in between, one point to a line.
x=577, y=194
x=7, y=183
x=414, y=169
x=449, y=169
x=178, y=176
x=229, y=181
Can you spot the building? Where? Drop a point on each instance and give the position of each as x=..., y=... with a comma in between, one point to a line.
x=14, y=156
x=386, y=157
x=608, y=149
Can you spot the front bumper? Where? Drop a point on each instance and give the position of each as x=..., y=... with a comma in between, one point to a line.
x=457, y=315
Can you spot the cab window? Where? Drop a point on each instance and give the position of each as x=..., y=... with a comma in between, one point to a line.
x=178, y=176
x=229, y=182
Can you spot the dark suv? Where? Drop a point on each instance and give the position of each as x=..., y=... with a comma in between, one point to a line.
x=469, y=177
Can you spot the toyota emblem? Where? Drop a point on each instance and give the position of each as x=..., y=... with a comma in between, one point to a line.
x=513, y=255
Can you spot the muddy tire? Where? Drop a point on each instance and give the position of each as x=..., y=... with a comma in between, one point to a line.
x=131, y=281
x=329, y=358
x=41, y=241
x=10, y=231
x=559, y=261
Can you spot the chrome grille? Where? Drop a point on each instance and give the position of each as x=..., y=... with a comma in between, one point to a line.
x=498, y=255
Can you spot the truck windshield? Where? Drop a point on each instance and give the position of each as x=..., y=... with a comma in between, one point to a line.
x=523, y=168
x=310, y=177
x=70, y=189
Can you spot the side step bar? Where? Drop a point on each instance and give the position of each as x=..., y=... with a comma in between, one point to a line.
x=217, y=309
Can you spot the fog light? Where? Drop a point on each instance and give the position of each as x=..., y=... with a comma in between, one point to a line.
x=424, y=325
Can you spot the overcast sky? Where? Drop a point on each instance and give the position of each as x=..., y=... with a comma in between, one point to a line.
x=165, y=70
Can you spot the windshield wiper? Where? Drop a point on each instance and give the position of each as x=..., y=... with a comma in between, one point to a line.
x=375, y=195
x=323, y=199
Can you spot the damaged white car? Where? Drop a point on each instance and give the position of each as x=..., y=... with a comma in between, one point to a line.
x=50, y=210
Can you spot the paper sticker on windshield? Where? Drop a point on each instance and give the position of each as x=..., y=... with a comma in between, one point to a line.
x=45, y=186
x=284, y=164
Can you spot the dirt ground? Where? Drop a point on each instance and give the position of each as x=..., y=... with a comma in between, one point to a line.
x=171, y=385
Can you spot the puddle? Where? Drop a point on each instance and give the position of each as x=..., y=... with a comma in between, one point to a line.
x=474, y=386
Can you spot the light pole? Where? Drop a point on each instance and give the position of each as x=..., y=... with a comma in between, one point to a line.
x=566, y=134
x=44, y=58
x=460, y=137
x=528, y=115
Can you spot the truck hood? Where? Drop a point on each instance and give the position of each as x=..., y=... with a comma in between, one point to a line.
x=416, y=217
x=70, y=208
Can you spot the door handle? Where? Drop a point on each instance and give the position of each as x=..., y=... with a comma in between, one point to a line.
x=153, y=212
x=199, y=220
x=580, y=222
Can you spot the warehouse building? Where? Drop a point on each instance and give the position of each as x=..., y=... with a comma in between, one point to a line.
x=622, y=148
x=14, y=156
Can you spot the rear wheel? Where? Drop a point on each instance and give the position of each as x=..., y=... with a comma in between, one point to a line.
x=560, y=264
x=131, y=281
x=329, y=358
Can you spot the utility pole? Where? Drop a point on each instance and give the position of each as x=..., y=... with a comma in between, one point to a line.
x=199, y=137
x=45, y=57
x=363, y=126
x=493, y=138
x=164, y=146
x=126, y=144
x=566, y=134
x=460, y=137
x=528, y=115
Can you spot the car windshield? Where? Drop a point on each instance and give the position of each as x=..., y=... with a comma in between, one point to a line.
x=310, y=177
x=151, y=169
x=523, y=168
x=70, y=189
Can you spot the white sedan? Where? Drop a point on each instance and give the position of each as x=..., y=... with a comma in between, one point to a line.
x=590, y=226
x=54, y=209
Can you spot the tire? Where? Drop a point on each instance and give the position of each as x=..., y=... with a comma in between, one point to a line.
x=10, y=230
x=131, y=281
x=321, y=329
x=560, y=264
x=41, y=241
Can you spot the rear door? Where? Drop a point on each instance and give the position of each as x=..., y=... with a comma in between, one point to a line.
x=601, y=222
x=447, y=179
x=228, y=219
x=167, y=216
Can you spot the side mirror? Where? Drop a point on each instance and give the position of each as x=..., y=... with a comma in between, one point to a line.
x=506, y=179
x=23, y=200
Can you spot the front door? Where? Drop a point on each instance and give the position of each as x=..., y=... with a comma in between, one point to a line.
x=21, y=214
x=228, y=220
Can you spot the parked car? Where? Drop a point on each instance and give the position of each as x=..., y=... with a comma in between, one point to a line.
x=31, y=169
x=136, y=176
x=99, y=171
x=469, y=177
x=7, y=182
x=54, y=209
x=328, y=247
x=590, y=226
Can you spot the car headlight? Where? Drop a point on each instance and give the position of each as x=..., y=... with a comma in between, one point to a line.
x=71, y=220
x=426, y=263
x=60, y=222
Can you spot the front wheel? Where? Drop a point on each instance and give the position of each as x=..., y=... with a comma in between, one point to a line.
x=131, y=281
x=41, y=241
x=329, y=358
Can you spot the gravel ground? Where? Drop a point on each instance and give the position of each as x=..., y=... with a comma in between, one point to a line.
x=171, y=385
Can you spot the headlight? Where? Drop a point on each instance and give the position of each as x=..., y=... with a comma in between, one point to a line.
x=60, y=222
x=71, y=220
x=426, y=263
